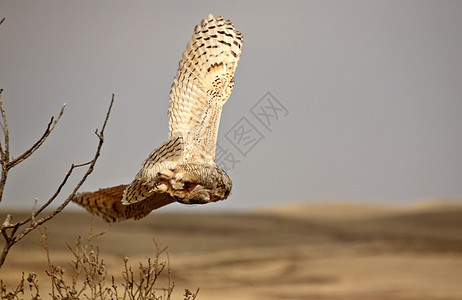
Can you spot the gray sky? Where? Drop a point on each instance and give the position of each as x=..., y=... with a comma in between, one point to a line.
x=372, y=89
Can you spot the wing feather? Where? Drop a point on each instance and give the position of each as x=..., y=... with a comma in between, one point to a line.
x=149, y=179
x=107, y=204
x=202, y=85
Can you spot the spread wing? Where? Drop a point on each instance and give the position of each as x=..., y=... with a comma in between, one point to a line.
x=203, y=83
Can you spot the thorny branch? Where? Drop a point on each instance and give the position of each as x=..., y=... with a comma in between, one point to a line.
x=8, y=229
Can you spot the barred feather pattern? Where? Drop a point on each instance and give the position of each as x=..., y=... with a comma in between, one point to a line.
x=107, y=204
x=203, y=83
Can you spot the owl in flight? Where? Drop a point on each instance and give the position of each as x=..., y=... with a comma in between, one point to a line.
x=183, y=168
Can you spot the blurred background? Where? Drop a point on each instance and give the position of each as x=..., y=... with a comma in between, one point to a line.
x=345, y=117
x=345, y=101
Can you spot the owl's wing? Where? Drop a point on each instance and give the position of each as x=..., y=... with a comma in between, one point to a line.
x=146, y=192
x=203, y=83
x=107, y=204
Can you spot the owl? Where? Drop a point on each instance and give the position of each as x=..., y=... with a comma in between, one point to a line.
x=183, y=168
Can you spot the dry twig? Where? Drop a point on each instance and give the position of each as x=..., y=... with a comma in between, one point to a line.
x=90, y=277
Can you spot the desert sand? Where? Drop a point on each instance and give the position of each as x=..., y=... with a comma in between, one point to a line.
x=325, y=251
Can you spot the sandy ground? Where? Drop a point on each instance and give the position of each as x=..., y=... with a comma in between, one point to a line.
x=301, y=252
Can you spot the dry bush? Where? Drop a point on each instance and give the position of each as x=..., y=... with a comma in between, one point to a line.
x=88, y=277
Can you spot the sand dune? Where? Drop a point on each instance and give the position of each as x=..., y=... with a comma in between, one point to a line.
x=316, y=252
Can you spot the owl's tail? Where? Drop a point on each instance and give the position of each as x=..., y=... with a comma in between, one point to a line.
x=107, y=204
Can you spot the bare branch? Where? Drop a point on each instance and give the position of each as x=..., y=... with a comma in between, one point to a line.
x=34, y=147
x=34, y=211
x=7, y=221
x=63, y=183
x=2, y=21
x=91, y=235
x=9, y=242
x=106, y=119
x=77, y=187
x=5, y=153
x=5, y=123
x=83, y=164
x=66, y=177
x=12, y=238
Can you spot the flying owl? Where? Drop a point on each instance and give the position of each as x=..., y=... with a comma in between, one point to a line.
x=183, y=168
